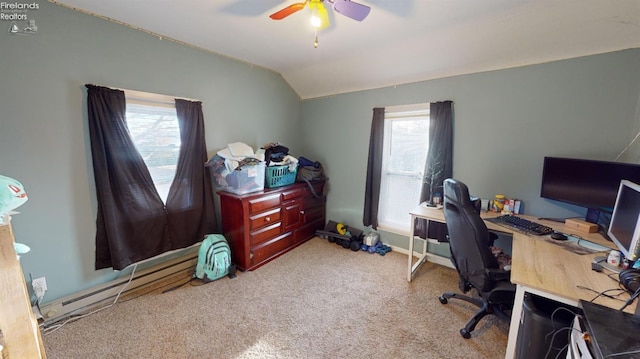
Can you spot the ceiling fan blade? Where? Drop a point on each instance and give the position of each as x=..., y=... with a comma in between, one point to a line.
x=351, y=9
x=279, y=15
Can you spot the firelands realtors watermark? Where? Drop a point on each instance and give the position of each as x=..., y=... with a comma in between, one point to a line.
x=17, y=14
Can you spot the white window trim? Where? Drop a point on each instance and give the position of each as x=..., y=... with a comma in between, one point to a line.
x=154, y=99
x=402, y=112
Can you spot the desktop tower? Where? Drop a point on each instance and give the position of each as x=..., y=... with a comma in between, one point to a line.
x=544, y=328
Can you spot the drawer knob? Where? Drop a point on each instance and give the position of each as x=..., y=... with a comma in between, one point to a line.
x=302, y=213
x=267, y=219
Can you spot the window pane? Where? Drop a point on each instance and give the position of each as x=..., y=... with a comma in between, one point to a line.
x=156, y=134
x=409, y=144
x=405, y=153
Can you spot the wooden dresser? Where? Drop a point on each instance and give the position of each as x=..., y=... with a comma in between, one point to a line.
x=263, y=225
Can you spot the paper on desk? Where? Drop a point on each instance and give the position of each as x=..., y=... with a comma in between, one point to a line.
x=578, y=245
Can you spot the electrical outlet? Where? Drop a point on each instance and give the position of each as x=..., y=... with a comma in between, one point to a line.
x=39, y=286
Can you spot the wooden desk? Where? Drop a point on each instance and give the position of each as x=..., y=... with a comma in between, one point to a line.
x=18, y=325
x=541, y=268
x=436, y=215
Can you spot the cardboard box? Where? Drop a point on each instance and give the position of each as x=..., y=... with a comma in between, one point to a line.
x=581, y=226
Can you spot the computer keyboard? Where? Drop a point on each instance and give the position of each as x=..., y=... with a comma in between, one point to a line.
x=522, y=225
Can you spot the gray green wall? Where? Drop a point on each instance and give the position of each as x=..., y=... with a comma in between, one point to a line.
x=505, y=122
x=43, y=123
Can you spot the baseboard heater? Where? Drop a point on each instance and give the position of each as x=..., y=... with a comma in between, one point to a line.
x=98, y=296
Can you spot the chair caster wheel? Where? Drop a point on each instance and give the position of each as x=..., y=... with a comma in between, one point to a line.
x=465, y=334
x=443, y=300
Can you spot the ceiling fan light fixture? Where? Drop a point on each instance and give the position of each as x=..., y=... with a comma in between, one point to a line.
x=316, y=21
x=319, y=15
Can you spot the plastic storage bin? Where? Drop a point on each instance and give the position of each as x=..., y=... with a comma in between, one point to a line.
x=246, y=179
x=277, y=176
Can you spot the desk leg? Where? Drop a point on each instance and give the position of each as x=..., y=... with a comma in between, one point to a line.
x=516, y=315
x=422, y=258
x=411, y=230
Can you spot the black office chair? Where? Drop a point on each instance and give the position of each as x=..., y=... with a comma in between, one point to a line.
x=470, y=241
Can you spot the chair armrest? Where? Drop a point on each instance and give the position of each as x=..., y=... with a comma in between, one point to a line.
x=492, y=237
x=498, y=274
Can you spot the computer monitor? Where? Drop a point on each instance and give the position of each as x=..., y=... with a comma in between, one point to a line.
x=587, y=183
x=624, y=228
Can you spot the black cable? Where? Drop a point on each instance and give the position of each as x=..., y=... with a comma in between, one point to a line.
x=630, y=300
x=604, y=293
x=622, y=353
x=614, y=277
x=556, y=332
x=562, y=350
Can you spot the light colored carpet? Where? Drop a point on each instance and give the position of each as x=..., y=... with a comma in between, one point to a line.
x=317, y=301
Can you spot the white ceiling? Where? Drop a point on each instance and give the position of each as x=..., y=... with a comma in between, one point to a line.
x=401, y=41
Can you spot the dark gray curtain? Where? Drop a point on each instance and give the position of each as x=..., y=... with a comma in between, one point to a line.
x=439, y=164
x=374, y=169
x=190, y=205
x=132, y=223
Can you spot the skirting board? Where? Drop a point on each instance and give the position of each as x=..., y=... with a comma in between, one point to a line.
x=101, y=295
x=105, y=293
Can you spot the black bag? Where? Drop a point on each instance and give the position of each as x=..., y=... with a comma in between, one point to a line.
x=311, y=173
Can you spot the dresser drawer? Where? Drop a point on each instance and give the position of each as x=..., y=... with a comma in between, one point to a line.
x=291, y=194
x=264, y=234
x=264, y=218
x=262, y=203
x=260, y=226
x=271, y=248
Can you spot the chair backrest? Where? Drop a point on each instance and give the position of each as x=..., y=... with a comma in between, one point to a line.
x=469, y=238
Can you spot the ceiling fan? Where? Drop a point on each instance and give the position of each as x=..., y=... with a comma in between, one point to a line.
x=347, y=8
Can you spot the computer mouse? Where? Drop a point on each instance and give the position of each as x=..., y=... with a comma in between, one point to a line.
x=558, y=236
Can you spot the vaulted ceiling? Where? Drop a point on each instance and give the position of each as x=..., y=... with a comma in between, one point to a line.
x=400, y=41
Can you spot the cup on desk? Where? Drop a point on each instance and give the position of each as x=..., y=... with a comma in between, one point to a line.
x=614, y=258
x=485, y=204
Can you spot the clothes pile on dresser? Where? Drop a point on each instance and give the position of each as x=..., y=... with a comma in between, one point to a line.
x=276, y=154
x=239, y=169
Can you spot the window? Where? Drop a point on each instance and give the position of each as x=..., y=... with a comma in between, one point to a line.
x=154, y=129
x=406, y=143
x=133, y=222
